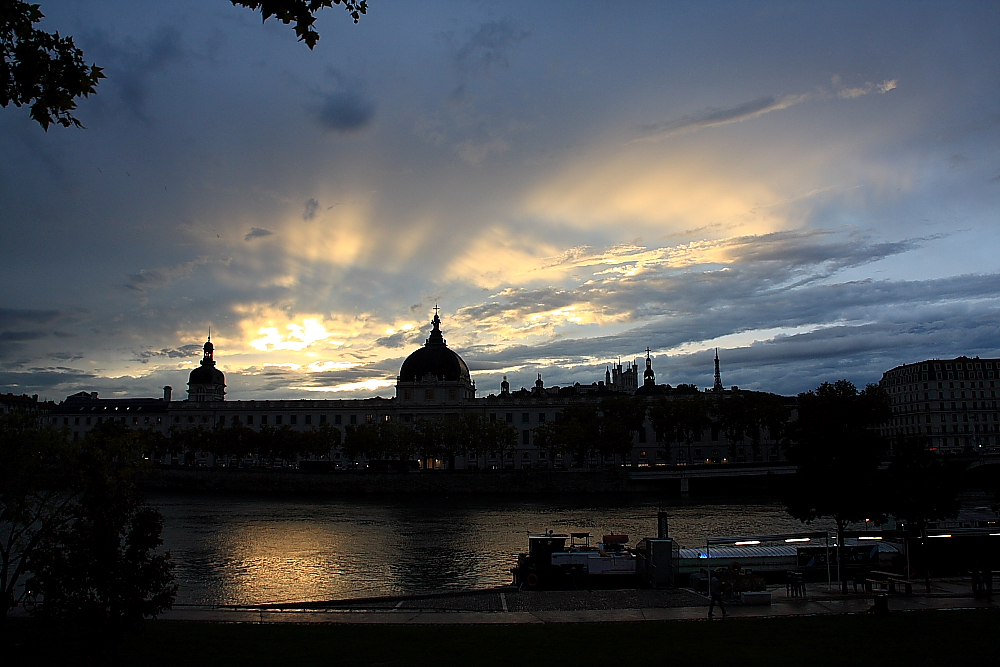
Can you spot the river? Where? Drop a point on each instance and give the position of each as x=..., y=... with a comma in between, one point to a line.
x=246, y=549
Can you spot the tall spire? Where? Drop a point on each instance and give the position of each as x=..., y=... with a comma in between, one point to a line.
x=648, y=378
x=718, y=376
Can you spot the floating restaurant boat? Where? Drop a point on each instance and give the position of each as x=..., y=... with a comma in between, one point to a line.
x=552, y=563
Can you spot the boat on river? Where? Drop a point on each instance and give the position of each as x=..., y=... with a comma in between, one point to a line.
x=551, y=563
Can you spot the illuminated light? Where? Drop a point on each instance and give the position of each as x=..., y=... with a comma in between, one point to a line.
x=747, y=542
x=939, y=536
x=299, y=336
x=323, y=366
x=797, y=539
x=867, y=537
x=370, y=385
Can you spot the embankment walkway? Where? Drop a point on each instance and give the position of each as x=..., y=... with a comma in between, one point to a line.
x=508, y=606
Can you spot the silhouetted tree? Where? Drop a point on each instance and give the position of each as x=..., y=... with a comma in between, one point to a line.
x=918, y=486
x=837, y=449
x=101, y=570
x=576, y=434
x=41, y=69
x=48, y=72
x=619, y=419
x=661, y=414
x=302, y=13
x=733, y=416
x=37, y=490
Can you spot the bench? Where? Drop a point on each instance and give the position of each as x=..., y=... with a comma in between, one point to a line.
x=891, y=582
x=795, y=586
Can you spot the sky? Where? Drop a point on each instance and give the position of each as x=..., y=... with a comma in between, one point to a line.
x=811, y=188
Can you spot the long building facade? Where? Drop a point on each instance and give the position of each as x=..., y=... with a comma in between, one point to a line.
x=434, y=382
x=950, y=402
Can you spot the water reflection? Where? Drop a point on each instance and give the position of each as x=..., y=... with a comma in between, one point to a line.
x=234, y=549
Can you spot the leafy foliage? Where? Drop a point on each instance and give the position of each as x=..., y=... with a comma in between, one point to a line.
x=101, y=568
x=41, y=69
x=918, y=486
x=837, y=450
x=575, y=435
x=37, y=469
x=302, y=13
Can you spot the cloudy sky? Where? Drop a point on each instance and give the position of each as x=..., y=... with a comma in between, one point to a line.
x=812, y=188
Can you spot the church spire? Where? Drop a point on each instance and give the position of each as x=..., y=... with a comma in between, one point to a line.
x=436, y=338
x=648, y=378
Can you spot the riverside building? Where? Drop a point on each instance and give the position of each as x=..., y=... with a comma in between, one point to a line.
x=434, y=382
x=951, y=402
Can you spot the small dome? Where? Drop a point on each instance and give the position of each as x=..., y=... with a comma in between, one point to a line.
x=435, y=358
x=207, y=383
x=206, y=374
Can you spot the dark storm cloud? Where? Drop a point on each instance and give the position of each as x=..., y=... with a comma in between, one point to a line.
x=44, y=378
x=310, y=209
x=12, y=316
x=488, y=46
x=399, y=339
x=256, y=233
x=147, y=279
x=183, y=352
x=345, y=112
x=711, y=116
x=816, y=248
x=65, y=356
x=22, y=335
x=130, y=64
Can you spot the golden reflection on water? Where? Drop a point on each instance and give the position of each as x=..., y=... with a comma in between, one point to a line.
x=241, y=550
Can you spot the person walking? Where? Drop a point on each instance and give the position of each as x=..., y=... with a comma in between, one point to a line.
x=715, y=592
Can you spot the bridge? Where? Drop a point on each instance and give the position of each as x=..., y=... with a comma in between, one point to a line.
x=685, y=473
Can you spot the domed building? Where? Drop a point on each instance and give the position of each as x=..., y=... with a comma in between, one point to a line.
x=434, y=374
x=207, y=383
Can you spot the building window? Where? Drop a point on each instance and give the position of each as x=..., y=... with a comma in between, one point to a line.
x=190, y=419
x=406, y=394
x=277, y=419
x=428, y=394
x=452, y=394
x=525, y=417
x=369, y=419
x=263, y=420
x=509, y=418
x=541, y=417
x=293, y=419
x=338, y=419
x=76, y=421
x=354, y=419
x=493, y=417
x=526, y=437
x=250, y=420
x=309, y=419
x=322, y=419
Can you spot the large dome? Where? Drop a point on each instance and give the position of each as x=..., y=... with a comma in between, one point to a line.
x=436, y=359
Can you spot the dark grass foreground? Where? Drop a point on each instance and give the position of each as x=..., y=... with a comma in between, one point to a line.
x=914, y=638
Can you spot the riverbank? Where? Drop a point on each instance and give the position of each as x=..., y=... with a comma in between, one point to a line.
x=492, y=482
x=912, y=639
